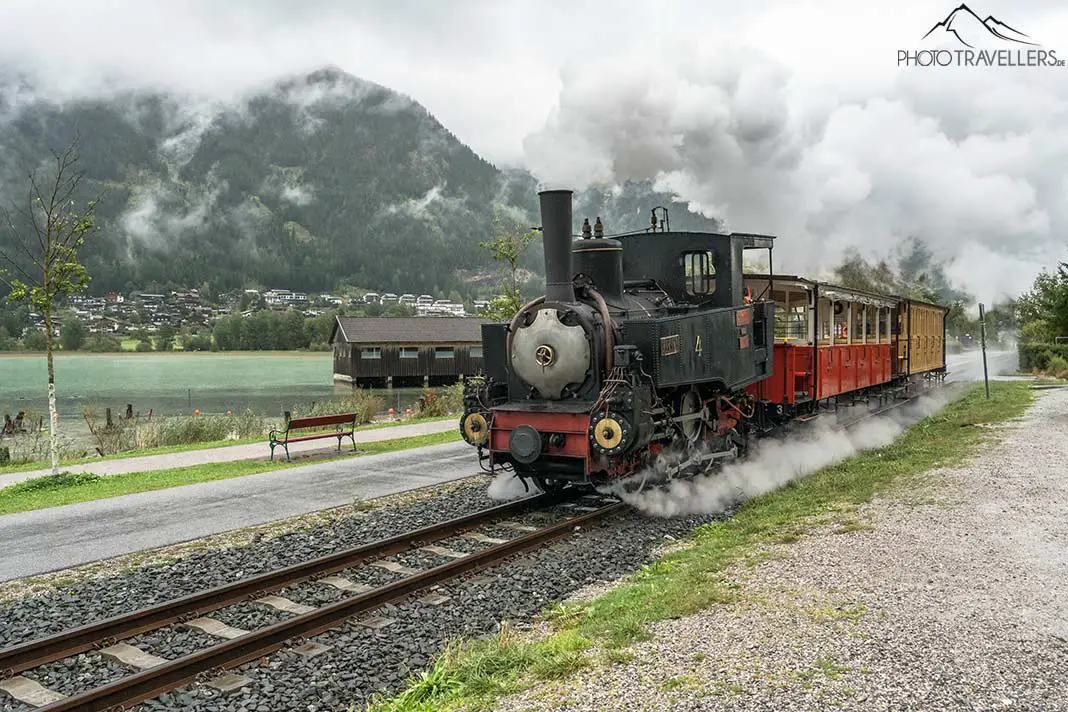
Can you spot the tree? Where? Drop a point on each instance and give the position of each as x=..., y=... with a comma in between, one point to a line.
x=14, y=318
x=49, y=232
x=509, y=245
x=34, y=340
x=1043, y=312
x=167, y=332
x=72, y=334
x=6, y=342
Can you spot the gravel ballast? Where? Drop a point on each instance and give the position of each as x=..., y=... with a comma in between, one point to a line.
x=955, y=599
x=70, y=605
x=364, y=660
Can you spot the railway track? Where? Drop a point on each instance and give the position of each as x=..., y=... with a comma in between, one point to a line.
x=158, y=675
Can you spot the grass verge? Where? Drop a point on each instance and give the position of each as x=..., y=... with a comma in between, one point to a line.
x=168, y=449
x=472, y=674
x=46, y=491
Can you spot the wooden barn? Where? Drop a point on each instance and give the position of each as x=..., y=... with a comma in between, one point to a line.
x=406, y=351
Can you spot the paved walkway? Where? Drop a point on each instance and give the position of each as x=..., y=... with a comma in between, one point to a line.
x=231, y=453
x=61, y=537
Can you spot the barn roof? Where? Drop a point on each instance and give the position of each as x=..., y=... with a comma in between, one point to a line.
x=408, y=329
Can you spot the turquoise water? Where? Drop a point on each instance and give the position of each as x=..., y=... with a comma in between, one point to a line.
x=171, y=384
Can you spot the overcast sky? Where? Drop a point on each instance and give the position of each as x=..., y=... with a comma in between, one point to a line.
x=788, y=117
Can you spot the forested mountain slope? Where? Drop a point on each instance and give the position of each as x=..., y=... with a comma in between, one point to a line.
x=319, y=179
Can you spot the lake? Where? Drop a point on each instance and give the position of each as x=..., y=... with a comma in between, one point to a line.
x=171, y=384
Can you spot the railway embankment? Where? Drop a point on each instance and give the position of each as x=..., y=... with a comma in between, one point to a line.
x=929, y=573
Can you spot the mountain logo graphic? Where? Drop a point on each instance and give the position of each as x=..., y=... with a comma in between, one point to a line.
x=968, y=28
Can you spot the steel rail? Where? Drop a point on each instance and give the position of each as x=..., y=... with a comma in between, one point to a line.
x=24, y=656
x=167, y=676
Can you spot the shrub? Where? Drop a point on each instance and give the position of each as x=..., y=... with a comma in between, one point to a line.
x=103, y=344
x=187, y=429
x=32, y=446
x=117, y=436
x=435, y=404
x=198, y=342
x=361, y=402
x=454, y=397
x=1036, y=356
x=1056, y=366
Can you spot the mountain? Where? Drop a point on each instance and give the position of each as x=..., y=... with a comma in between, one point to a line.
x=971, y=30
x=317, y=180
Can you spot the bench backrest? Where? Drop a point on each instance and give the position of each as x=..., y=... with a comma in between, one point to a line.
x=316, y=421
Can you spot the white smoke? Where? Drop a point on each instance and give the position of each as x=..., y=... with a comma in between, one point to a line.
x=506, y=486
x=969, y=162
x=772, y=464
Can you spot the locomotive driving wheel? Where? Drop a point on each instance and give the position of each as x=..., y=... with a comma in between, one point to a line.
x=690, y=404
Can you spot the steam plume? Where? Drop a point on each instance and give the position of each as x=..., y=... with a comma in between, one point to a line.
x=740, y=138
x=506, y=486
x=772, y=464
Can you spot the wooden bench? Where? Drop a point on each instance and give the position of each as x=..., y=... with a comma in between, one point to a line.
x=283, y=437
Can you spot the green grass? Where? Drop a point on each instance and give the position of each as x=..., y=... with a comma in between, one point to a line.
x=168, y=449
x=471, y=675
x=46, y=491
x=489, y=669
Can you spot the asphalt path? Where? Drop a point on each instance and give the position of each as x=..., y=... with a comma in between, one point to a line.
x=60, y=537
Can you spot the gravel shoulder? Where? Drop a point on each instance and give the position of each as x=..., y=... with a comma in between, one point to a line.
x=951, y=595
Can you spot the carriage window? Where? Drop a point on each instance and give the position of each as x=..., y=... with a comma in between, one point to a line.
x=700, y=272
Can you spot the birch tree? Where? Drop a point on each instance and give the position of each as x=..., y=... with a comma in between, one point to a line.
x=508, y=246
x=40, y=252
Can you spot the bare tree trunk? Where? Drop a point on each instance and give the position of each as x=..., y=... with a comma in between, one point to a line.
x=53, y=416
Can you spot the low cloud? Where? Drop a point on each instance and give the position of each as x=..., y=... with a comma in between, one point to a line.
x=954, y=159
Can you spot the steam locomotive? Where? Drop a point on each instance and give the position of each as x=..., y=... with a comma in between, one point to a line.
x=653, y=343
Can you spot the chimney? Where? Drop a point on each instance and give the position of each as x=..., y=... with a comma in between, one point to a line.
x=556, y=236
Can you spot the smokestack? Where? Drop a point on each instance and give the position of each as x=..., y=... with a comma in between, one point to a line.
x=556, y=235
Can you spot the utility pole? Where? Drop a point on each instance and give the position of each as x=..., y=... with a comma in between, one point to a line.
x=982, y=340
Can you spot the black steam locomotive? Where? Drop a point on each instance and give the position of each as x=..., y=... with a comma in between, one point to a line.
x=643, y=343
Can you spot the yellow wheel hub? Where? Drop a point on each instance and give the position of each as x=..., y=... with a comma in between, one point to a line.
x=608, y=433
x=476, y=429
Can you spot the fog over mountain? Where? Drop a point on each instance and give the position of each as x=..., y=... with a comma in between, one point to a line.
x=314, y=180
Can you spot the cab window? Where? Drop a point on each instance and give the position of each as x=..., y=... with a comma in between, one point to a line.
x=699, y=270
